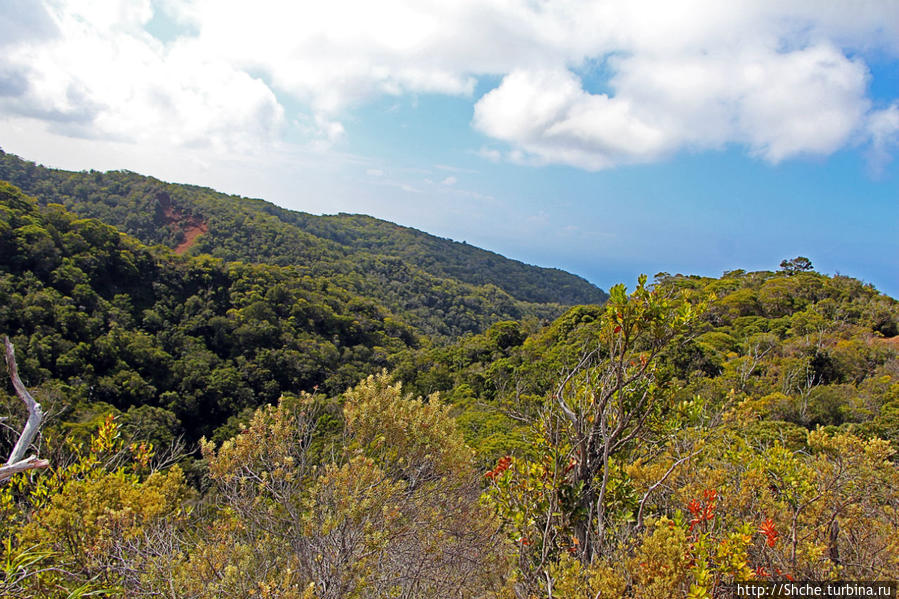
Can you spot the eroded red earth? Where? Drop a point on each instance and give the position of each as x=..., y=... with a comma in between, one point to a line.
x=191, y=226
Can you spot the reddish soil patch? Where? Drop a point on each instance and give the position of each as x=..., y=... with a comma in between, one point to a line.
x=191, y=226
x=190, y=237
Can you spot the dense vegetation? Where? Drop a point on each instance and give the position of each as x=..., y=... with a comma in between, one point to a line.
x=686, y=435
x=104, y=322
x=812, y=346
x=442, y=287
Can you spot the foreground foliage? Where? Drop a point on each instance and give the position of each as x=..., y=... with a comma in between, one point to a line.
x=379, y=498
x=686, y=435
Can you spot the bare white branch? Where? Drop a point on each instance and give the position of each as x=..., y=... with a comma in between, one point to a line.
x=17, y=461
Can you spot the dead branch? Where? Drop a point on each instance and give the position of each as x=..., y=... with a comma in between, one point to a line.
x=17, y=461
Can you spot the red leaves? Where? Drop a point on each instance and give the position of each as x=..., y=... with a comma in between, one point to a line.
x=762, y=572
x=619, y=320
x=767, y=529
x=575, y=545
x=501, y=466
x=703, y=511
x=784, y=574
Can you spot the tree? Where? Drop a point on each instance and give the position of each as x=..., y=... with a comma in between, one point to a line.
x=608, y=399
x=388, y=509
x=796, y=265
x=561, y=500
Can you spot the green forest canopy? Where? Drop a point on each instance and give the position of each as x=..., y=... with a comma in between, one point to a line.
x=442, y=287
x=764, y=408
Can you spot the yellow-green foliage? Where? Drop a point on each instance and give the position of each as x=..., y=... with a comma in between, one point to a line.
x=660, y=567
x=229, y=560
x=395, y=513
x=828, y=509
x=412, y=438
x=274, y=442
x=86, y=518
x=77, y=528
x=569, y=578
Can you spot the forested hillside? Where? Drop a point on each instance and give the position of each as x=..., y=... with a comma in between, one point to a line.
x=442, y=287
x=105, y=322
x=810, y=349
x=690, y=433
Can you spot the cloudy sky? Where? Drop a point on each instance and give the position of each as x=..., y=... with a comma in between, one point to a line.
x=607, y=138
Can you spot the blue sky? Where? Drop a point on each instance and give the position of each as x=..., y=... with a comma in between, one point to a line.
x=604, y=138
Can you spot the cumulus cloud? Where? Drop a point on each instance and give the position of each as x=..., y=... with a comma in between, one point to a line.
x=101, y=75
x=883, y=127
x=778, y=79
x=776, y=104
x=548, y=114
x=25, y=20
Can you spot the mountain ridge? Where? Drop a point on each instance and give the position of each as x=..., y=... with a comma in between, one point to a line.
x=370, y=256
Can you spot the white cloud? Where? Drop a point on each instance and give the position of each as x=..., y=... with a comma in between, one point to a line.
x=775, y=78
x=778, y=105
x=102, y=76
x=374, y=172
x=883, y=126
x=449, y=181
x=491, y=154
x=547, y=114
x=454, y=169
